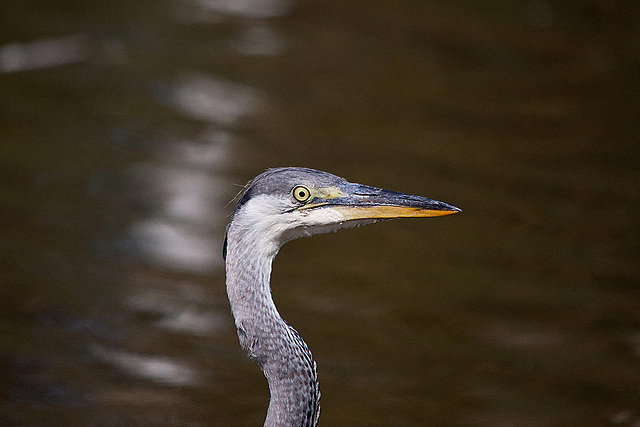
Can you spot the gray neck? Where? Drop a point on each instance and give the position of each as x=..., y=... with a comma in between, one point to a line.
x=283, y=356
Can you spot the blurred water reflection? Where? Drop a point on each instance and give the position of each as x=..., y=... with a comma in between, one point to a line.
x=212, y=99
x=163, y=370
x=44, y=53
x=217, y=11
x=248, y=8
x=184, y=191
x=184, y=205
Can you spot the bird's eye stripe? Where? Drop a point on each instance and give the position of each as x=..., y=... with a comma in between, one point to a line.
x=301, y=193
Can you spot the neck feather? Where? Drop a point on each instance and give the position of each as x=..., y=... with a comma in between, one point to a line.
x=283, y=356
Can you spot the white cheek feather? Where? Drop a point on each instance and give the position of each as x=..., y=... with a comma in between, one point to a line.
x=319, y=216
x=261, y=222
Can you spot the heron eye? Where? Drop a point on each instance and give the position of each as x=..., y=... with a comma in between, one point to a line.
x=301, y=193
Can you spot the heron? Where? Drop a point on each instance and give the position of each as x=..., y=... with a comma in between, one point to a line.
x=276, y=207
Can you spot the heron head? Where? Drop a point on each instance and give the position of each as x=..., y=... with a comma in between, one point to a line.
x=288, y=203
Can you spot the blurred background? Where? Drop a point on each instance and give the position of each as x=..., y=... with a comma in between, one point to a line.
x=126, y=129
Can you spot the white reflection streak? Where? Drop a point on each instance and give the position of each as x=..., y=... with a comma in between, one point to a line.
x=180, y=308
x=209, y=151
x=190, y=195
x=45, y=53
x=175, y=247
x=254, y=40
x=248, y=8
x=180, y=234
x=163, y=370
x=213, y=99
x=192, y=322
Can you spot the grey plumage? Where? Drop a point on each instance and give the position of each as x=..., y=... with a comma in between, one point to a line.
x=270, y=213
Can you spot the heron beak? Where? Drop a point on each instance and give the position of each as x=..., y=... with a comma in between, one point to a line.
x=363, y=202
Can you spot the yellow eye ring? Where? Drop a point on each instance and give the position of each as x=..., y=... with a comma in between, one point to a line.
x=301, y=193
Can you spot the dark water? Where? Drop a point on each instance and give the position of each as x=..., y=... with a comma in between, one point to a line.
x=126, y=129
